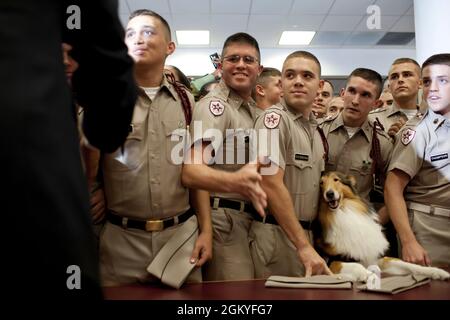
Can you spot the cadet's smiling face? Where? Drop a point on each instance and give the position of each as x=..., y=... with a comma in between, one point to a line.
x=360, y=96
x=300, y=82
x=436, y=88
x=240, y=67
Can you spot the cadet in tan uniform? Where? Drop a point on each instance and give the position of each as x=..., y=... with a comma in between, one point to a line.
x=420, y=171
x=145, y=198
x=223, y=120
x=404, y=85
x=267, y=91
x=292, y=186
x=350, y=134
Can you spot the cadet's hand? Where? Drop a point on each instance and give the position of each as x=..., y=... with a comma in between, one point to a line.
x=413, y=252
x=248, y=183
x=98, y=205
x=203, y=249
x=313, y=262
x=395, y=127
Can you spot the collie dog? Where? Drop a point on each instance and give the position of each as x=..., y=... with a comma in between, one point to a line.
x=350, y=231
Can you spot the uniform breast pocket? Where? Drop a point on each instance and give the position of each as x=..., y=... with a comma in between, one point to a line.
x=133, y=151
x=175, y=131
x=300, y=172
x=361, y=170
x=440, y=167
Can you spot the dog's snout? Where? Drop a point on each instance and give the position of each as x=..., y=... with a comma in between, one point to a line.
x=329, y=194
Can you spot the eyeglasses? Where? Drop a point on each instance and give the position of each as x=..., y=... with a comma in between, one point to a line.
x=248, y=60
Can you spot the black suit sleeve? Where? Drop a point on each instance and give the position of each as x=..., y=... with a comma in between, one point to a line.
x=104, y=83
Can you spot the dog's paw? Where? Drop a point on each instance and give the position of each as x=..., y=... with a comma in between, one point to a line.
x=357, y=273
x=439, y=274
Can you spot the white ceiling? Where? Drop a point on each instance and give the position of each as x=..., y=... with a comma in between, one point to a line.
x=339, y=23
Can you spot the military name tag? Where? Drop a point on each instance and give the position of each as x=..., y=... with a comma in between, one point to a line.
x=439, y=157
x=302, y=157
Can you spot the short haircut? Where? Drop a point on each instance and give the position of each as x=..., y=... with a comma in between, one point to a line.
x=369, y=75
x=146, y=12
x=266, y=73
x=243, y=38
x=263, y=77
x=306, y=55
x=407, y=60
x=442, y=58
x=331, y=84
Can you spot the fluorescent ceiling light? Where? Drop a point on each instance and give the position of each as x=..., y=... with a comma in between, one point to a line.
x=192, y=37
x=296, y=37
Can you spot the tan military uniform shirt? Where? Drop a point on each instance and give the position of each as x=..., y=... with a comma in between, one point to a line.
x=389, y=115
x=300, y=153
x=226, y=120
x=352, y=156
x=142, y=181
x=423, y=152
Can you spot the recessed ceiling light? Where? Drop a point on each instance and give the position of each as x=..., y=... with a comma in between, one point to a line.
x=296, y=37
x=192, y=37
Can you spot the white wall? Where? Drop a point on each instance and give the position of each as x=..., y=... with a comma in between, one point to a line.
x=335, y=62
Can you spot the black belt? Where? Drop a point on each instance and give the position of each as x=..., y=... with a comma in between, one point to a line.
x=271, y=219
x=148, y=225
x=236, y=205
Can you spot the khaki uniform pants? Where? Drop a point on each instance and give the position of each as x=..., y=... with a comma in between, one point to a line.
x=273, y=253
x=126, y=253
x=433, y=234
x=231, y=254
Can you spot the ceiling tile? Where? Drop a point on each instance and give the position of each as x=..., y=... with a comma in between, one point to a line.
x=311, y=7
x=329, y=38
x=396, y=7
x=303, y=22
x=265, y=22
x=340, y=23
x=271, y=7
x=188, y=7
x=350, y=7
x=368, y=38
x=404, y=24
x=222, y=26
x=386, y=23
x=159, y=6
x=229, y=6
x=191, y=22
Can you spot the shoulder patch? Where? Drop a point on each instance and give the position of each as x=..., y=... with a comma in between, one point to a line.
x=272, y=120
x=216, y=107
x=408, y=136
